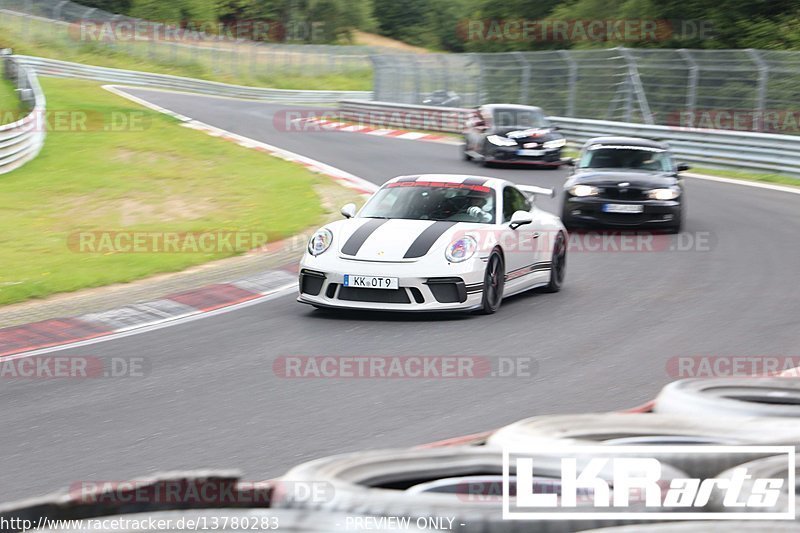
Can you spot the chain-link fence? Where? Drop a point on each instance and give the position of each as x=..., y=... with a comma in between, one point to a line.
x=751, y=90
x=228, y=53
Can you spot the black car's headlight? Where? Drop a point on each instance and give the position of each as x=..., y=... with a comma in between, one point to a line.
x=320, y=241
x=583, y=190
x=499, y=140
x=664, y=194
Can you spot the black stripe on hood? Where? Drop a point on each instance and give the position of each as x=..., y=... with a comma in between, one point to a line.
x=359, y=236
x=425, y=240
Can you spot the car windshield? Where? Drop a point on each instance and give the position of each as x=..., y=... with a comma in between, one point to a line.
x=456, y=202
x=522, y=118
x=630, y=157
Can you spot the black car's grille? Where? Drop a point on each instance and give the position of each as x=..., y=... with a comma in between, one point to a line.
x=623, y=219
x=628, y=194
x=386, y=296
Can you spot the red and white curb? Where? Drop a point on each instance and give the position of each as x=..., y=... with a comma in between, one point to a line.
x=20, y=341
x=332, y=125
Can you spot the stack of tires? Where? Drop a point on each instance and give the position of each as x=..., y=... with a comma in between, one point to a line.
x=464, y=483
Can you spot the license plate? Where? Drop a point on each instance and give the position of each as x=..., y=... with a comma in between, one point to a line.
x=530, y=152
x=623, y=208
x=370, y=282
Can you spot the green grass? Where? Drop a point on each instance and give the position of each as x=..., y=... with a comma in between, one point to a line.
x=281, y=71
x=750, y=176
x=11, y=109
x=160, y=178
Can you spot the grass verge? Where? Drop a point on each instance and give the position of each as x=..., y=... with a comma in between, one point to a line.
x=154, y=177
x=252, y=66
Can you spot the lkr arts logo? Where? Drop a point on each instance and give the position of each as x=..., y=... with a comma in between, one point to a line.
x=638, y=482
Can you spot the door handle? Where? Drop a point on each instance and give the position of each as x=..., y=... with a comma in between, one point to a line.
x=536, y=235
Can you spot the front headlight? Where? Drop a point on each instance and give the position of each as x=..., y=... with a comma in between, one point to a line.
x=583, y=190
x=497, y=140
x=558, y=143
x=461, y=249
x=664, y=194
x=320, y=241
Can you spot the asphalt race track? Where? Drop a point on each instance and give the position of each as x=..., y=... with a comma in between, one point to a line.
x=212, y=400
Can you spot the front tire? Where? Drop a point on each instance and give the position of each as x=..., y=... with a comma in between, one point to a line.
x=558, y=264
x=493, y=283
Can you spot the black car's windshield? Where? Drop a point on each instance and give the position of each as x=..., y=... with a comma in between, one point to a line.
x=521, y=118
x=630, y=157
x=422, y=200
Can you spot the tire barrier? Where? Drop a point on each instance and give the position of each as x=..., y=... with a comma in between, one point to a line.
x=768, y=467
x=457, y=482
x=651, y=429
x=727, y=397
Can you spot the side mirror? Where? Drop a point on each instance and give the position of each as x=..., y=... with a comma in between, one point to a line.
x=520, y=218
x=683, y=166
x=348, y=210
x=569, y=161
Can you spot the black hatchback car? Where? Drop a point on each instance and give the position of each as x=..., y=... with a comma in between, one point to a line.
x=625, y=182
x=510, y=133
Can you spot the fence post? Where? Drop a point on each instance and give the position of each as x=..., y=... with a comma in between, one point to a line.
x=525, y=77
x=417, y=85
x=635, y=86
x=481, y=79
x=57, y=9
x=572, y=82
x=691, y=89
x=761, y=94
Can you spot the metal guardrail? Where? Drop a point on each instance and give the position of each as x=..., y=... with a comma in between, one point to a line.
x=65, y=69
x=21, y=141
x=735, y=150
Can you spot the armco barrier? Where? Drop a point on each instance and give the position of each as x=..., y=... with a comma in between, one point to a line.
x=65, y=69
x=736, y=150
x=21, y=140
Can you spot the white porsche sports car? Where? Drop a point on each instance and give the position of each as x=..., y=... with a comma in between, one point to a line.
x=436, y=242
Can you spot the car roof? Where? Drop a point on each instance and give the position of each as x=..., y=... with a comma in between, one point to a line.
x=494, y=107
x=494, y=183
x=632, y=141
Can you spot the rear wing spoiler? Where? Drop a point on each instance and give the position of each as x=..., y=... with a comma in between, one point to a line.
x=533, y=190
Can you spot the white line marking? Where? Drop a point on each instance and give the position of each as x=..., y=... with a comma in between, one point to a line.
x=746, y=183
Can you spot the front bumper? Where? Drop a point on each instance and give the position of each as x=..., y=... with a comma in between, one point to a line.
x=461, y=290
x=508, y=154
x=589, y=211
